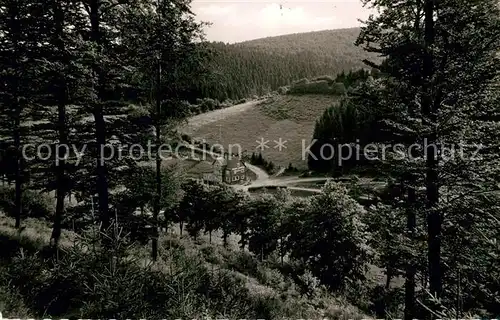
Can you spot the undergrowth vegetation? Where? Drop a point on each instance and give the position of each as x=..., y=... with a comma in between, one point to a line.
x=35, y=204
x=120, y=281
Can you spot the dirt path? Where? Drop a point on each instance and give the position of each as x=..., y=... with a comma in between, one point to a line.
x=262, y=175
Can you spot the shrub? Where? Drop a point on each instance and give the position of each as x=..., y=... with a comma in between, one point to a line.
x=283, y=90
x=186, y=138
x=271, y=277
x=35, y=204
x=328, y=79
x=111, y=283
x=268, y=307
x=319, y=85
x=211, y=255
x=270, y=167
x=194, y=109
x=338, y=88
x=309, y=283
x=315, y=87
x=11, y=301
x=301, y=81
x=243, y=262
x=338, y=257
x=211, y=103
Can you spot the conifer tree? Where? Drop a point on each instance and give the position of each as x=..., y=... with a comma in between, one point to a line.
x=441, y=63
x=18, y=53
x=166, y=36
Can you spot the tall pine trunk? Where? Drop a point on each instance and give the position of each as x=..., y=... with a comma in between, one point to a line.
x=19, y=166
x=100, y=124
x=61, y=97
x=156, y=211
x=17, y=108
x=429, y=110
x=411, y=224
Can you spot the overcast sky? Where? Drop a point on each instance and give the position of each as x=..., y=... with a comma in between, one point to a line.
x=235, y=21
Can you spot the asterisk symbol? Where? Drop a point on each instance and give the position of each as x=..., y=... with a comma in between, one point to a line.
x=262, y=144
x=280, y=144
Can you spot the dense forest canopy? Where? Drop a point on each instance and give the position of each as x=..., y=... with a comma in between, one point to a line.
x=260, y=66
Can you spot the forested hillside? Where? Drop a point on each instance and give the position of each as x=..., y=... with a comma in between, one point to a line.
x=263, y=65
x=95, y=224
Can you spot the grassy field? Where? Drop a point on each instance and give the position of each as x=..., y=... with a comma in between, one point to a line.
x=290, y=118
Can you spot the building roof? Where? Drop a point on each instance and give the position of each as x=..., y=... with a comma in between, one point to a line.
x=220, y=161
x=232, y=163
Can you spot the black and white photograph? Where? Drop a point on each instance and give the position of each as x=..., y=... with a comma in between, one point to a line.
x=250, y=159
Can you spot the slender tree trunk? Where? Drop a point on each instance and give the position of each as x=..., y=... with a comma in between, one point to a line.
x=181, y=227
x=432, y=191
x=17, y=108
x=409, y=312
x=61, y=96
x=411, y=223
x=100, y=124
x=19, y=169
x=243, y=238
x=156, y=211
x=224, y=238
x=388, y=277
x=282, y=250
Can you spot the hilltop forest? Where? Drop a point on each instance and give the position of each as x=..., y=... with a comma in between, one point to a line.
x=261, y=66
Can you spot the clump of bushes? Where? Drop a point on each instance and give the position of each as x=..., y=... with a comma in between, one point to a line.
x=301, y=81
x=243, y=262
x=187, y=138
x=11, y=302
x=112, y=283
x=330, y=85
x=317, y=87
x=35, y=204
x=258, y=160
x=118, y=282
x=291, y=169
x=208, y=104
x=283, y=90
x=338, y=88
x=328, y=79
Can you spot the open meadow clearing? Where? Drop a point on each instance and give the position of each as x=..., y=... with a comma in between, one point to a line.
x=290, y=118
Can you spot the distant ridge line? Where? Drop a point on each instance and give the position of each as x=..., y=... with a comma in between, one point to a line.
x=298, y=33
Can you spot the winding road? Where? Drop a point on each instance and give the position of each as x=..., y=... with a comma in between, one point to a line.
x=263, y=179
